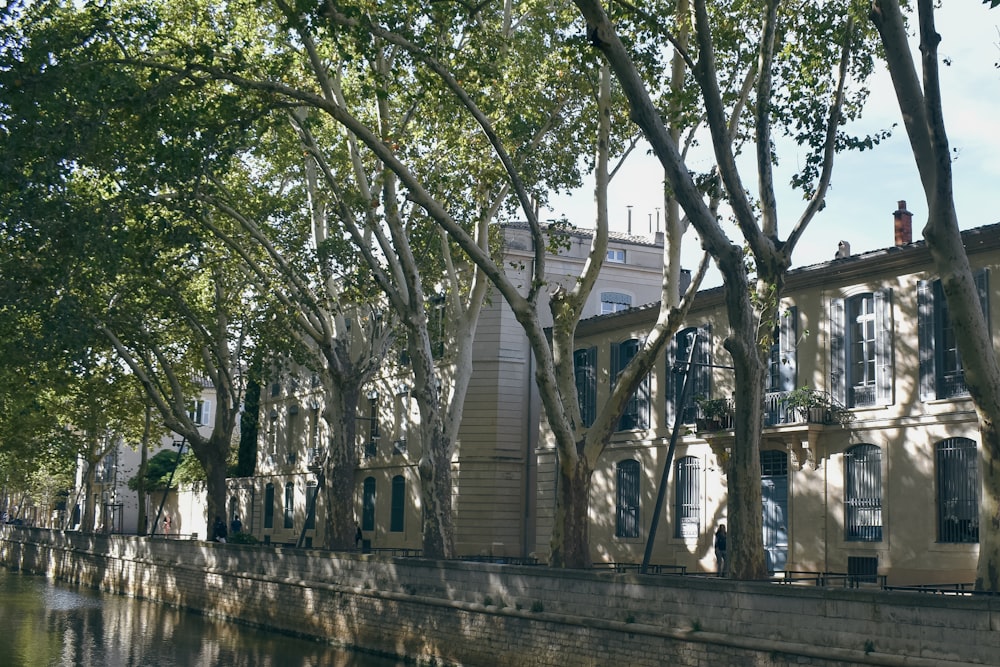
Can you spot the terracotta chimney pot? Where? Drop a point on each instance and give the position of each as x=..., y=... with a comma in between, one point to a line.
x=903, y=220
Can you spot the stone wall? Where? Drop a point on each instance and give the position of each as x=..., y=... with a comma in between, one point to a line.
x=482, y=614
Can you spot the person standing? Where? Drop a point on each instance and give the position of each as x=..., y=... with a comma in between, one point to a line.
x=219, y=532
x=236, y=526
x=720, y=550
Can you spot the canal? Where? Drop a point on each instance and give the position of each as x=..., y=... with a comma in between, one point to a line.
x=46, y=624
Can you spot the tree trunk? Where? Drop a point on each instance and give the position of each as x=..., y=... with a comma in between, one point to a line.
x=436, y=490
x=570, y=546
x=339, y=468
x=745, y=545
x=212, y=456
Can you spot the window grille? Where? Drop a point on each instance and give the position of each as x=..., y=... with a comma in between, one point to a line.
x=269, y=506
x=957, y=490
x=627, y=503
x=398, y=504
x=688, y=498
x=863, y=493
x=311, y=489
x=289, y=505
x=862, y=569
x=368, y=504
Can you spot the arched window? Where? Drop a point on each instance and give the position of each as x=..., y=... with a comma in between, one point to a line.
x=957, y=463
x=687, y=501
x=863, y=493
x=627, y=499
x=368, y=504
x=398, y=504
x=311, y=489
x=269, y=506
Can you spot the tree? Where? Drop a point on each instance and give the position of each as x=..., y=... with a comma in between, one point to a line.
x=921, y=105
x=95, y=243
x=777, y=72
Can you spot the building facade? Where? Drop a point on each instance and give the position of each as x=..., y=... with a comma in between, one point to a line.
x=869, y=457
x=494, y=468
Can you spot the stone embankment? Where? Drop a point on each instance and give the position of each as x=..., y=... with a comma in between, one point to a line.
x=483, y=614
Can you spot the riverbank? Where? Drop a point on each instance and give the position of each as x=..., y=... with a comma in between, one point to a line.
x=483, y=614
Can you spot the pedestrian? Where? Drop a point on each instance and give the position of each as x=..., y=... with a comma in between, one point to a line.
x=219, y=530
x=357, y=535
x=720, y=550
x=236, y=526
x=166, y=525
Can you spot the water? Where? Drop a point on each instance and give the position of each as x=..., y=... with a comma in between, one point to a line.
x=45, y=624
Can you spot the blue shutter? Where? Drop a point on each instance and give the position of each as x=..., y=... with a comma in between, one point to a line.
x=838, y=352
x=925, y=339
x=788, y=325
x=883, y=346
x=585, y=362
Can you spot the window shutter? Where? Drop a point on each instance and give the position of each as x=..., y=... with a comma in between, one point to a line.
x=838, y=353
x=586, y=383
x=206, y=412
x=703, y=371
x=788, y=325
x=925, y=339
x=642, y=400
x=670, y=383
x=883, y=346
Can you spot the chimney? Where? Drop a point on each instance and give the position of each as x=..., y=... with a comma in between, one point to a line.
x=904, y=225
x=629, y=207
x=843, y=250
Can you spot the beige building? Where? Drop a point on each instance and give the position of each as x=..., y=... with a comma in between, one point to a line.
x=494, y=470
x=880, y=478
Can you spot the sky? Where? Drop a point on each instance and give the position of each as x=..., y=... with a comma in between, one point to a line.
x=866, y=186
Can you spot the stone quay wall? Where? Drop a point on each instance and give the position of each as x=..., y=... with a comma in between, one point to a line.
x=485, y=614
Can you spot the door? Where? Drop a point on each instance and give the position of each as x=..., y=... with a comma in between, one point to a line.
x=774, y=493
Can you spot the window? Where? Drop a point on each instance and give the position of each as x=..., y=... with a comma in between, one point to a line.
x=941, y=372
x=782, y=367
x=585, y=368
x=861, y=349
x=612, y=302
x=862, y=569
x=627, y=499
x=699, y=373
x=398, y=504
x=201, y=412
x=616, y=255
x=957, y=464
x=289, y=505
x=688, y=498
x=371, y=447
x=368, y=504
x=636, y=413
x=863, y=493
x=311, y=490
x=269, y=506
x=402, y=419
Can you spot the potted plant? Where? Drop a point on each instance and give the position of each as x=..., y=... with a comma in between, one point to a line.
x=809, y=404
x=817, y=407
x=714, y=414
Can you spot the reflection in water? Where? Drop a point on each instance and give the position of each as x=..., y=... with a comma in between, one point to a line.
x=46, y=624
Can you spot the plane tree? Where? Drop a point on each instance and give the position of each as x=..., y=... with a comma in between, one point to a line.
x=805, y=67
x=922, y=108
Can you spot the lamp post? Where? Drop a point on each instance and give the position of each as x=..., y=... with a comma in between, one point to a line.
x=170, y=480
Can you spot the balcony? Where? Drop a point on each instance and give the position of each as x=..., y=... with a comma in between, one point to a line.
x=314, y=458
x=799, y=406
